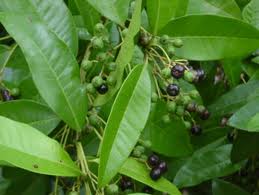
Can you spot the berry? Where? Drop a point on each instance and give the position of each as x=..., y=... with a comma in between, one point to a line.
x=178, y=43
x=136, y=153
x=177, y=71
x=6, y=95
x=140, y=148
x=171, y=107
x=15, y=92
x=191, y=107
x=73, y=193
x=153, y=160
x=162, y=166
x=97, y=43
x=166, y=73
x=148, y=190
x=223, y=121
x=101, y=57
x=154, y=97
x=189, y=76
x=90, y=88
x=97, y=81
x=102, y=89
x=155, y=173
x=166, y=119
x=111, y=80
x=231, y=136
x=180, y=111
x=196, y=130
x=143, y=157
x=200, y=74
x=87, y=64
x=173, y=90
x=164, y=39
x=187, y=124
x=99, y=27
x=112, y=189
x=94, y=120
x=201, y=109
x=124, y=32
x=194, y=94
x=112, y=66
x=146, y=144
x=186, y=100
x=125, y=184
x=144, y=39
x=205, y=115
x=171, y=51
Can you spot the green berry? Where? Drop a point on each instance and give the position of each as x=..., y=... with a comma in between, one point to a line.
x=112, y=66
x=136, y=153
x=15, y=92
x=101, y=57
x=112, y=189
x=178, y=43
x=97, y=43
x=124, y=32
x=201, y=109
x=186, y=100
x=166, y=119
x=146, y=144
x=73, y=193
x=171, y=51
x=171, y=107
x=180, y=110
x=187, y=125
x=97, y=81
x=140, y=148
x=111, y=80
x=166, y=73
x=154, y=97
x=87, y=64
x=164, y=39
x=194, y=94
x=94, y=120
x=143, y=157
x=99, y=27
x=189, y=76
x=90, y=88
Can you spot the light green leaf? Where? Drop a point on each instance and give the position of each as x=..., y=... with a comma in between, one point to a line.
x=139, y=171
x=182, y=8
x=53, y=14
x=53, y=67
x=5, y=54
x=247, y=117
x=32, y=113
x=251, y=13
x=218, y=7
x=221, y=187
x=211, y=163
x=27, y=148
x=115, y=10
x=222, y=38
x=125, y=54
x=126, y=121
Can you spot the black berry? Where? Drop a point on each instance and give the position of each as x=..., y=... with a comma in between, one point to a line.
x=148, y=190
x=177, y=71
x=231, y=136
x=6, y=95
x=196, y=130
x=102, y=89
x=200, y=74
x=205, y=115
x=125, y=184
x=173, y=89
x=163, y=166
x=155, y=173
x=153, y=160
x=191, y=107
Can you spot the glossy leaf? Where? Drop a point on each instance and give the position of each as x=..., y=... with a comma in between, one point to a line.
x=221, y=187
x=125, y=54
x=53, y=67
x=218, y=7
x=139, y=171
x=89, y=14
x=223, y=37
x=160, y=12
x=251, y=13
x=182, y=7
x=53, y=14
x=5, y=53
x=126, y=121
x=211, y=163
x=27, y=148
x=115, y=10
x=34, y=114
x=235, y=99
x=168, y=139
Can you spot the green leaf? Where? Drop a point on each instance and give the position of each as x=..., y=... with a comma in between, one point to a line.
x=160, y=12
x=211, y=163
x=223, y=37
x=221, y=187
x=182, y=8
x=247, y=117
x=115, y=10
x=217, y=7
x=235, y=99
x=90, y=16
x=171, y=139
x=251, y=13
x=139, y=171
x=125, y=54
x=53, y=67
x=5, y=54
x=27, y=148
x=126, y=121
x=34, y=114
x=241, y=149
x=53, y=14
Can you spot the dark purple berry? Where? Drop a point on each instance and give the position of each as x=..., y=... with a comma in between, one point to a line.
x=155, y=173
x=102, y=89
x=173, y=89
x=125, y=184
x=205, y=115
x=200, y=74
x=153, y=160
x=6, y=95
x=191, y=107
x=148, y=190
x=177, y=71
x=196, y=130
x=144, y=39
x=163, y=166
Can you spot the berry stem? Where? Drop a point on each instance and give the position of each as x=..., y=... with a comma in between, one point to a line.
x=162, y=49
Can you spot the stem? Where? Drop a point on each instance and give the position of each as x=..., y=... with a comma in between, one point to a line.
x=162, y=49
x=5, y=37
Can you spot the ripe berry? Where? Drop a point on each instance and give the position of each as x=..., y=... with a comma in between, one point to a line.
x=191, y=107
x=153, y=160
x=125, y=184
x=163, y=166
x=200, y=74
x=196, y=130
x=144, y=39
x=177, y=71
x=102, y=89
x=173, y=89
x=148, y=190
x=205, y=115
x=155, y=173
x=178, y=43
x=6, y=95
x=166, y=73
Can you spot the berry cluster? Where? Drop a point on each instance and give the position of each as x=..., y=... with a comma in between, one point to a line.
x=158, y=166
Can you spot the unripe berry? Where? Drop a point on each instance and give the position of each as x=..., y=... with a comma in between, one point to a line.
x=112, y=189
x=15, y=92
x=166, y=119
x=166, y=73
x=97, y=43
x=194, y=94
x=178, y=43
x=97, y=81
x=112, y=66
x=180, y=111
x=171, y=107
x=87, y=65
x=189, y=76
x=90, y=88
x=99, y=27
x=154, y=97
x=165, y=39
